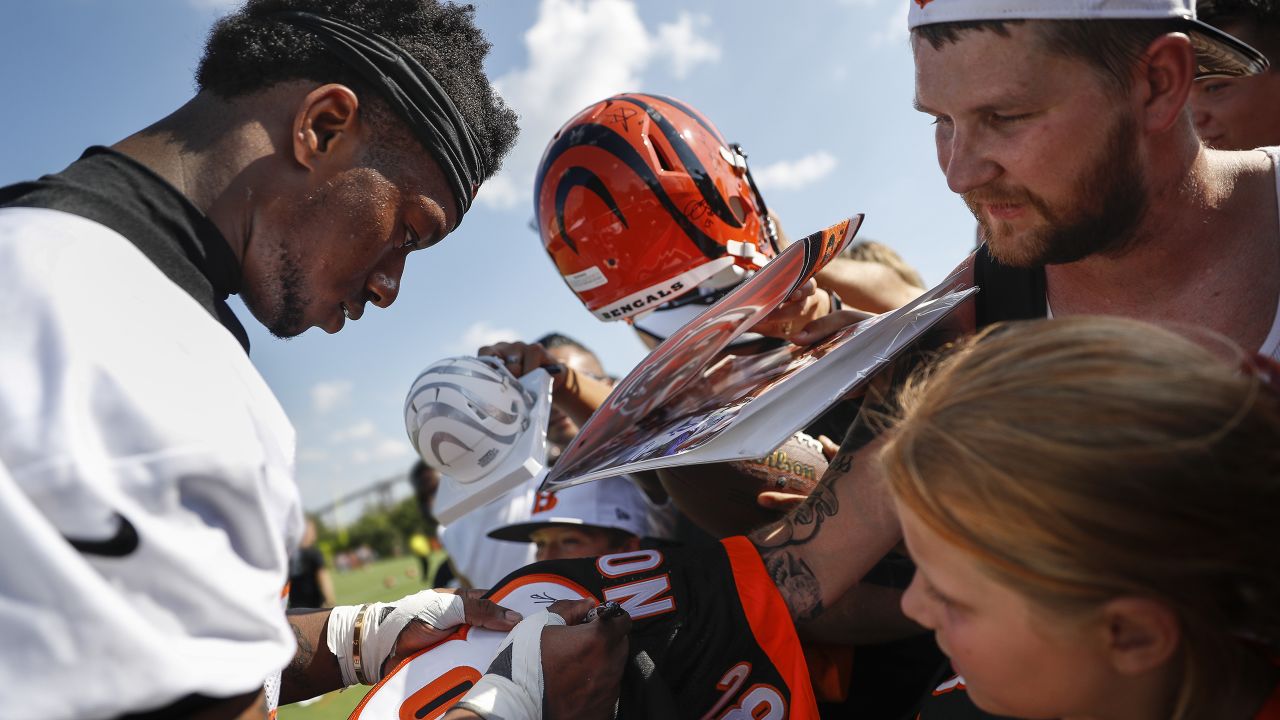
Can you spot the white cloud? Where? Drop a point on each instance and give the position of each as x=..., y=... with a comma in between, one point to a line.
x=384, y=449
x=581, y=52
x=362, y=429
x=481, y=333
x=327, y=395
x=680, y=43
x=793, y=174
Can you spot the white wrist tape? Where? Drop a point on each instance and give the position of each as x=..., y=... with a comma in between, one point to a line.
x=512, y=688
x=381, y=626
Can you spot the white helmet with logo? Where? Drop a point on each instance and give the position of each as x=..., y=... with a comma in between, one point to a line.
x=464, y=414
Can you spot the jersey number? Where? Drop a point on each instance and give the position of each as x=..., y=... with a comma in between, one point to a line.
x=436, y=697
x=642, y=598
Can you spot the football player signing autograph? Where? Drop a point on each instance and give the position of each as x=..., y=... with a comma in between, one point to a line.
x=676, y=633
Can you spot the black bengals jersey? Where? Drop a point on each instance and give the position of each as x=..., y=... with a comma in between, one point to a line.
x=711, y=636
x=950, y=701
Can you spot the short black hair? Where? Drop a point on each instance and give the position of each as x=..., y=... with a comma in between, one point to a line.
x=1111, y=46
x=553, y=340
x=247, y=52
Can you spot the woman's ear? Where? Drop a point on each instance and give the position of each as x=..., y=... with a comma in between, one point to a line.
x=1141, y=634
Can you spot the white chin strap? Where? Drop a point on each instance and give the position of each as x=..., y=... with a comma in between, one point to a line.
x=746, y=250
x=362, y=637
x=512, y=688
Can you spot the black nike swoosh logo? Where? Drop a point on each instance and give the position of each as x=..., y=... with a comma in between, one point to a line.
x=124, y=542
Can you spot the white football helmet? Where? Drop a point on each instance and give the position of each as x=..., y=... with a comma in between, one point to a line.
x=463, y=415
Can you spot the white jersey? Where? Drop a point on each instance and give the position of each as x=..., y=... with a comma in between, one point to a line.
x=147, y=501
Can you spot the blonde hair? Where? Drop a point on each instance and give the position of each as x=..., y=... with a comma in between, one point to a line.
x=877, y=252
x=1085, y=459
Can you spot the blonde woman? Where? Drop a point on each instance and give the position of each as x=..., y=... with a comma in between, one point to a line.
x=1091, y=504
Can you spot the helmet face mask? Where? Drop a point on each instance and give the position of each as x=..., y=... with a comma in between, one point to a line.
x=640, y=200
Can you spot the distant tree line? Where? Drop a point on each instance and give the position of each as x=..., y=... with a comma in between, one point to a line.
x=384, y=529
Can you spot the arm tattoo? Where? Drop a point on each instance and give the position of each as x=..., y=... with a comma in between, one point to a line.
x=296, y=673
x=796, y=582
x=803, y=524
x=781, y=544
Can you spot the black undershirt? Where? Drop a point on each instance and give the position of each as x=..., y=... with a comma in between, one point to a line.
x=118, y=192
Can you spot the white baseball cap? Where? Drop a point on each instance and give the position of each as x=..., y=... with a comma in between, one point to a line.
x=1217, y=52
x=613, y=502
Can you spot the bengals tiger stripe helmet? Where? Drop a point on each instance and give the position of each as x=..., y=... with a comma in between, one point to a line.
x=640, y=200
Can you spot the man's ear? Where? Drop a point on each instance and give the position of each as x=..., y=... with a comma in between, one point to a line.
x=1164, y=79
x=1141, y=634
x=326, y=126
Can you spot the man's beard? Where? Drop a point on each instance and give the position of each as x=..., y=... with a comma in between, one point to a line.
x=1108, y=204
x=287, y=321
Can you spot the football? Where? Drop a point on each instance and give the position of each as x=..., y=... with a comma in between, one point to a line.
x=721, y=498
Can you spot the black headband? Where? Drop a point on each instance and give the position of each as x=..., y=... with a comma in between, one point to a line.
x=412, y=92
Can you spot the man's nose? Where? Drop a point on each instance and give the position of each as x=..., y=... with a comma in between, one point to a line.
x=966, y=163
x=383, y=284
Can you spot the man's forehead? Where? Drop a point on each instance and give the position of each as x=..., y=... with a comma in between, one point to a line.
x=440, y=208
x=985, y=69
x=424, y=187
x=576, y=359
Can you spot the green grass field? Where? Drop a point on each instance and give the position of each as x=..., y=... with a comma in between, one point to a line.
x=368, y=584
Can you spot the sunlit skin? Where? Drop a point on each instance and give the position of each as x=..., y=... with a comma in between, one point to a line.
x=563, y=542
x=320, y=225
x=335, y=250
x=1021, y=134
x=1239, y=113
x=337, y=237
x=561, y=429
x=1019, y=658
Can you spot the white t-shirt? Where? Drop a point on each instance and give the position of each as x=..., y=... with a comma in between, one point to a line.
x=132, y=427
x=479, y=558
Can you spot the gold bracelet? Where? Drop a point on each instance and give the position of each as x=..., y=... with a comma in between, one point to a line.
x=355, y=645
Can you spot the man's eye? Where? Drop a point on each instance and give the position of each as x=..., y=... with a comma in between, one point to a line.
x=1216, y=87
x=411, y=239
x=999, y=119
x=414, y=241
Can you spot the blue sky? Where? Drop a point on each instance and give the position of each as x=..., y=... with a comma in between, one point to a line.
x=818, y=92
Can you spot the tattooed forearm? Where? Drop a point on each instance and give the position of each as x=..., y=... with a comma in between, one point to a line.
x=313, y=669
x=803, y=524
x=796, y=582
x=295, y=673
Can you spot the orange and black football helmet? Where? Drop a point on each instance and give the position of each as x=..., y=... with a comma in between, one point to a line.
x=640, y=200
